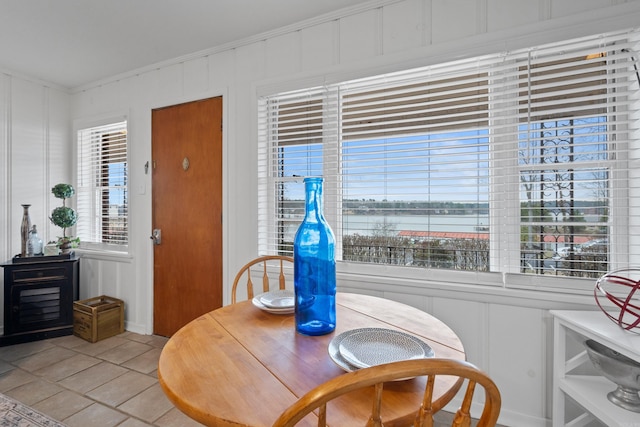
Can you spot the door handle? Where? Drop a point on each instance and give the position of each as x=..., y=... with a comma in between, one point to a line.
x=156, y=236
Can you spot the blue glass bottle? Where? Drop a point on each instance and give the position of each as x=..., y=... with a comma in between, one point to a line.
x=314, y=267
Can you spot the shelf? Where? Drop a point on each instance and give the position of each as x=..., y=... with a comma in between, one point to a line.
x=591, y=392
x=595, y=325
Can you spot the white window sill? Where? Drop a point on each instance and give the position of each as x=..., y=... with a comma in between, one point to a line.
x=104, y=255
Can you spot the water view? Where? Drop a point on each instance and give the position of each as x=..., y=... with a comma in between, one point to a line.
x=367, y=225
x=391, y=225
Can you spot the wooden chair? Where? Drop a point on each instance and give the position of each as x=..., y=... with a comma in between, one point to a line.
x=266, y=261
x=376, y=376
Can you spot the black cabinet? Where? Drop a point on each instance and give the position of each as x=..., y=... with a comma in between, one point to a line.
x=38, y=298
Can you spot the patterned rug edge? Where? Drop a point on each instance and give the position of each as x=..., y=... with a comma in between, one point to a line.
x=16, y=414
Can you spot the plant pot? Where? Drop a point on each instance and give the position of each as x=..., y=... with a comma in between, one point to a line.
x=65, y=246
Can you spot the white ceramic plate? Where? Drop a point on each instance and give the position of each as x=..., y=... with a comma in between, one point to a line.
x=334, y=353
x=286, y=310
x=281, y=298
x=374, y=346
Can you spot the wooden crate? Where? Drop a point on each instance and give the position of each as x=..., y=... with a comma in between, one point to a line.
x=95, y=319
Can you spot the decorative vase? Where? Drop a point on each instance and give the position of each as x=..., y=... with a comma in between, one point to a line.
x=314, y=267
x=34, y=247
x=25, y=227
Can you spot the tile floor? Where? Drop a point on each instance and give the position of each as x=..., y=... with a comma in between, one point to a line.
x=109, y=383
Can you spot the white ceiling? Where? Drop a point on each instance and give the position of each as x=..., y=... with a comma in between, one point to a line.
x=75, y=42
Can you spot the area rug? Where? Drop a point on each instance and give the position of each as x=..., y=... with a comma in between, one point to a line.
x=15, y=414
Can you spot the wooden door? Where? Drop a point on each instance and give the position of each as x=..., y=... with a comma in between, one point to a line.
x=187, y=209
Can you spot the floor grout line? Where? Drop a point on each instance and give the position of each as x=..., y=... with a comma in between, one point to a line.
x=124, y=412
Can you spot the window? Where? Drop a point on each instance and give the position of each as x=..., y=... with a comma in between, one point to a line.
x=520, y=163
x=102, y=196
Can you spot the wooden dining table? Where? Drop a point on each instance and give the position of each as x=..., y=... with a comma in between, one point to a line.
x=242, y=366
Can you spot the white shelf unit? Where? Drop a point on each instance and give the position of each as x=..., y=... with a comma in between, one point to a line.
x=589, y=391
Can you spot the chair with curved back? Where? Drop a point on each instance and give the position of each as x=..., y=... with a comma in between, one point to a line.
x=376, y=376
x=269, y=262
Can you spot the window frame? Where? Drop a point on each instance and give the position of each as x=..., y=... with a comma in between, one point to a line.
x=96, y=122
x=503, y=254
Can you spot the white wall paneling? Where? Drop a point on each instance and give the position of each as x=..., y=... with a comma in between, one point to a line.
x=515, y=347
x=449, y=24
x=38, y=132
x=503, y=15
x=5, y=169
x=359, y=36
x=504, y=330
x=403, y=26
x=196, y=76
x=317, y=46
x=35, y=154
x=279, y=59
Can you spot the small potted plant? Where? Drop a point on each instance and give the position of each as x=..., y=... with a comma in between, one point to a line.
x=64, y=216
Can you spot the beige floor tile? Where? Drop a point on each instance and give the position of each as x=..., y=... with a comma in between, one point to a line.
x=175, y=418
x=39, y=360
x=4, y=366
x=122, y=388
x=152, y=340
x=93, y=377
x=132, y=422
x=67, y=367
x=96, y=415
x=146, y=362
x=68, y=341
x=93, y=349
x=157, y=341
x=124, y=352
x=63, y=405
x=34, y=392
x=14, y=352
x=15, y=378
x=149, y=405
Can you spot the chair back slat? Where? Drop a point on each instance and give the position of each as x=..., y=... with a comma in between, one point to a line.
x=378, y=375
x=249, y=284
x=463, y=415
x=265, y=262
x=425, y=413
x=265, y=277
x=282, y=279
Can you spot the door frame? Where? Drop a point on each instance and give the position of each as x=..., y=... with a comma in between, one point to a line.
x=224, y=93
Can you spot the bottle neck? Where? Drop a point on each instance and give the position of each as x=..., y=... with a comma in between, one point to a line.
x=313, y=198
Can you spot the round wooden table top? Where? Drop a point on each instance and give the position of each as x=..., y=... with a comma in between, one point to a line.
x=241, y=366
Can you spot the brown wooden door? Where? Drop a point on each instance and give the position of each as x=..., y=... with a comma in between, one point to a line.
x=187, y=209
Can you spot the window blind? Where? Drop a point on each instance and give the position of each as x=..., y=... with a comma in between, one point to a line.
x=103, y=206
x=521, y=162
x=298, y=137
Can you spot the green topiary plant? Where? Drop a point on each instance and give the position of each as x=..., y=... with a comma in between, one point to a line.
x=64, y=216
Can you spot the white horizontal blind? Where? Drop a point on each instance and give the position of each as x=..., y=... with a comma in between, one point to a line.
x=415, y=168
x=575, y=135
x=521, y=162
x=298, y=138
x=103, y=201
